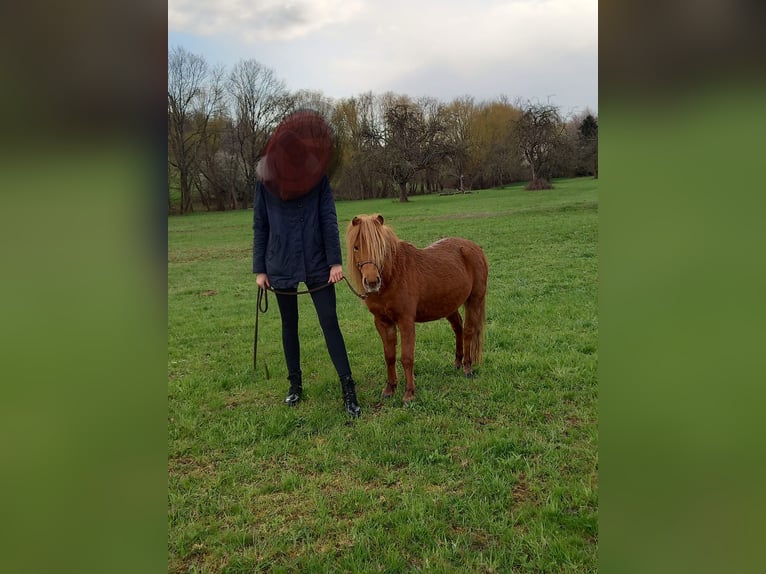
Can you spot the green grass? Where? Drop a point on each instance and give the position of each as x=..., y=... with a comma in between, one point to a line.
x=492, y=474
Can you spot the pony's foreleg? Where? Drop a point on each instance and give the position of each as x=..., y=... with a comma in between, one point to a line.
x=407, y=332
x=456, y=322
x=387, y=332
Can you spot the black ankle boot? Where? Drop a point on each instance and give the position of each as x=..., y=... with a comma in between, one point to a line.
x=348, y=387
x=296, y=388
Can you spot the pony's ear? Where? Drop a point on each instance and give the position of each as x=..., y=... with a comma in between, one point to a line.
x=355, y=221
x=379, y=217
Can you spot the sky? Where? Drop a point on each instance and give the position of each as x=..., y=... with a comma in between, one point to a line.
x=539, y=51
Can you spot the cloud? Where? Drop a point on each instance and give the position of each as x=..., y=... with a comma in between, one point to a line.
x=524, y=47
x=530, y=48
x=257, y=20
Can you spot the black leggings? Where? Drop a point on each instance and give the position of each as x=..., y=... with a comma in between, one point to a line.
x=324, y=303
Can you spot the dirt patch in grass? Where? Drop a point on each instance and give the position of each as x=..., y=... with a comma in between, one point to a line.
x=188, y=466
x=192, y=255
x=521, y=491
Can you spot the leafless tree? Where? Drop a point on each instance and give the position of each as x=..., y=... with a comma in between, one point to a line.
x=345, y=122
x=211, y=126
x=260, y=100
x=313, y=100
x=316, y=101
x=415, y=140
x=539, y=130
x=458, y=119
x=437, y=148
x=360, y=128
x=404, y=123
x=220, y=167
x=187, y=98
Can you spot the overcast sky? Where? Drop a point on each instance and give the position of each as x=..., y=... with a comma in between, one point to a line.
x=537, y=50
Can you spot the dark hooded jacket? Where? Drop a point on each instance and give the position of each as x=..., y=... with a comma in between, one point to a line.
x=297, y=240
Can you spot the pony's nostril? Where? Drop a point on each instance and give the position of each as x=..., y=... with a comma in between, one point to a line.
x=371, y=285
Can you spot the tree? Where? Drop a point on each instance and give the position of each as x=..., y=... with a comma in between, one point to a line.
x=401, y=138
x=497, y=158
x=260, y=101
x=539, y=131
x=415, y=139
x=588, y=145
x=459, y=120
x=210, y=124
x=187, y=74
x=362, y=130
x=387, y=145
x=313, y=100
x=220, y=168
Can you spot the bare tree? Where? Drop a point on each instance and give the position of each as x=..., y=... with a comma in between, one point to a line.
x=436, y=147
x=539, y=130
x=359, y=128
x=403, y=122
x=220, y=168
x=345, y=122
x=313, y=100
x=373, y=132
x=187, y=75
x=415, y=139
x=459, y=120
x=260, y=101
x=210, y=125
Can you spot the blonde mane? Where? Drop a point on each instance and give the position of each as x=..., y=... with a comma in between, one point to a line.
x=375, y=241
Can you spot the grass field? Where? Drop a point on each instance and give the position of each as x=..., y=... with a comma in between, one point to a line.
x=498, y=473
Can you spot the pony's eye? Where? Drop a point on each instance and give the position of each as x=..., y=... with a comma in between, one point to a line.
x=356, y=248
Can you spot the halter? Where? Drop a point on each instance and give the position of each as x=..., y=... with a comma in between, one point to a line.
x=369, y=262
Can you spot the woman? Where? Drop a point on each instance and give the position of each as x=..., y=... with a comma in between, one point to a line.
x=296, y=240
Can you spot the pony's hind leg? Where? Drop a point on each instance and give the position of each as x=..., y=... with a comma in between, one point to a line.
x=456, y=322
x=387, y=332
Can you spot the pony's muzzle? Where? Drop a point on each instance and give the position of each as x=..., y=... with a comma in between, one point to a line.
x=371, y=280
x=371, y=285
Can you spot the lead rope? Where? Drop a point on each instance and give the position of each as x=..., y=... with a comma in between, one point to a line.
x=262, y=305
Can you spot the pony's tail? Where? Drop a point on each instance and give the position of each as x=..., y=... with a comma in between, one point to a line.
x=475, y=307
x=475, y=313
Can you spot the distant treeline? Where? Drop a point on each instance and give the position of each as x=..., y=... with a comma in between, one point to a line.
x=387, y=145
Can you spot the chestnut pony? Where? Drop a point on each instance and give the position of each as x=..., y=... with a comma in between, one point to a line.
x=404, y=285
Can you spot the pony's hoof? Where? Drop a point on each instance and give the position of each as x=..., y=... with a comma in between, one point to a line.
x=408, y=398
x=469, y=375
x=388, y=392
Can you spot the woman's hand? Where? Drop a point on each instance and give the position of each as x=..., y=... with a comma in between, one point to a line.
x=262, y=280
x=336, y=273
